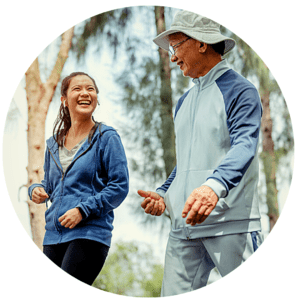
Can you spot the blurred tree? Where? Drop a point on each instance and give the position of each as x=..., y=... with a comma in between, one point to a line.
x=149, y=100
x=130, y=270
x=167, y=136
x=39, y=95
x=108, y=27
x=113, y=24
x=150, y=87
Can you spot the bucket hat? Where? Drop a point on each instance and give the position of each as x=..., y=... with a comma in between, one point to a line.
x=197, y=27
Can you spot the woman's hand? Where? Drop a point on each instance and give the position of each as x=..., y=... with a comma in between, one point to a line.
x=153, y=203
x=71, y=218
x=39, y=195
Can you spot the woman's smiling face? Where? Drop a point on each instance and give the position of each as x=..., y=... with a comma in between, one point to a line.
x=81, y=98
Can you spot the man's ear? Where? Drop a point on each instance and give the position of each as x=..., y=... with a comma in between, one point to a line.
x=202, y=47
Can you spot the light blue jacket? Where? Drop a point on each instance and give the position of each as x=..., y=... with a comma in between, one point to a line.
x=96, y=181
x=217, y=124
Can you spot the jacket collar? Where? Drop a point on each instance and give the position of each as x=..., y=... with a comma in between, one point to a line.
x=212, y=75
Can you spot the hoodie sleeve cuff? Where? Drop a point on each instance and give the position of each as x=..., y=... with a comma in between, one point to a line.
x=32, y=187
x=217, y=187
x=84, y=212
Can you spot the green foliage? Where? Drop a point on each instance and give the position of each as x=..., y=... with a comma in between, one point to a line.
x=109, y=25
x=131, y=270
x=152, y=286
x=141, y=102
x=141, y=85
x=146, y=132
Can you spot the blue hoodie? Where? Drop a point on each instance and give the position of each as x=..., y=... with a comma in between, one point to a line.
x=96, y=181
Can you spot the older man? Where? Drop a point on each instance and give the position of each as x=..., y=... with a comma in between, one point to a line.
x=211, y=195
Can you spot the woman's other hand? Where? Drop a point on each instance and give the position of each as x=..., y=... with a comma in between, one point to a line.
x=39, y=195
x=71, y=218
x=153, y=203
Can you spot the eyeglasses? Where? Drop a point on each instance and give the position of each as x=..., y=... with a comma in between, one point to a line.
x=172, y=49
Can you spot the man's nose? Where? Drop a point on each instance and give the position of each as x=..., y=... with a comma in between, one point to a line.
x=173, y=58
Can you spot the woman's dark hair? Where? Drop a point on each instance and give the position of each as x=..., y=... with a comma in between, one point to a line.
x=219, y=47
x=62, y=123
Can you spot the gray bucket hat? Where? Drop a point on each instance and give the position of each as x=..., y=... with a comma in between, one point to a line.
x=197, y=27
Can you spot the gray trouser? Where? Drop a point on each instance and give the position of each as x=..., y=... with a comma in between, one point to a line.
x=188, y=263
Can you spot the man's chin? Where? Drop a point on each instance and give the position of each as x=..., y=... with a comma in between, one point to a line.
x=185, y=72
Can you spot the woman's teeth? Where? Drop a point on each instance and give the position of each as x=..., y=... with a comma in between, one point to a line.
x=84, y=102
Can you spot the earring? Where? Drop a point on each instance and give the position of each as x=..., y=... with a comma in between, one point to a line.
x=64, y=103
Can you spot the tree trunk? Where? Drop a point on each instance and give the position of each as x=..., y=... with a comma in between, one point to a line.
x=269, y=162
x=39, y=95
x=168, y=135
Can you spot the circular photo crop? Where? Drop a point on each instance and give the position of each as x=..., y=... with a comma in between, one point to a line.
x=148, y=151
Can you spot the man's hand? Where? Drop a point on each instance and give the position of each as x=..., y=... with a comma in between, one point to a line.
x=71, y=218
x=39, y=195
x=200, y=204
x=153, y=203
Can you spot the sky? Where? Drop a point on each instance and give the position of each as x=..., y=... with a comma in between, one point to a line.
x=265, y=32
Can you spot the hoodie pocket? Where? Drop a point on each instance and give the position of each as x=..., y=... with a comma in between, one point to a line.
x=67, y=203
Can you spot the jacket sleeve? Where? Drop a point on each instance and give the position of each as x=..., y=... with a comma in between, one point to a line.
x=115, y=163
x=163, y=189
x=44, y=184
x=244, y=114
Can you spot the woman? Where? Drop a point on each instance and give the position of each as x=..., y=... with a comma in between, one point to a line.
x=86, y=177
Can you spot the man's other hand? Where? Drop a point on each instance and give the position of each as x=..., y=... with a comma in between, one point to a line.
x=153, y=203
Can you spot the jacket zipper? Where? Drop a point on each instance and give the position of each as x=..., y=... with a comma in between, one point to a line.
x=193, y=122
x=55, y=220
x=63, y=176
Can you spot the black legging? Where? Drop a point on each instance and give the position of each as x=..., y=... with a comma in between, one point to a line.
x=80, y=258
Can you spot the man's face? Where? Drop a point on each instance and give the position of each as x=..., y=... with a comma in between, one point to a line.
x=187, y=55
